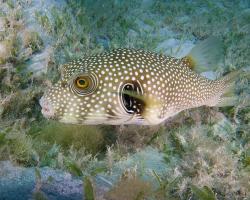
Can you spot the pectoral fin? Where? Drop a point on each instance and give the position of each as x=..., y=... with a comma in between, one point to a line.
x=152, y=107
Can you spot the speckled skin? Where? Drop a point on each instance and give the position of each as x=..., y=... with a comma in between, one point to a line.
x=164, y=87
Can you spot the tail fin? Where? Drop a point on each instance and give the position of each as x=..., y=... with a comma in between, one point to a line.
x=205, y=55
x=229, y=96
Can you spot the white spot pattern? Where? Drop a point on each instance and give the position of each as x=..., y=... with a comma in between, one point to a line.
x=166, y=79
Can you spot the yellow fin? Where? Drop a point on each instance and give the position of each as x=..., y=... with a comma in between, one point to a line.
x=205, y=55
x=149, y=101
x=152, y=107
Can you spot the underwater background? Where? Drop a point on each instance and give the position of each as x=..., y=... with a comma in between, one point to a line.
x=200, y=154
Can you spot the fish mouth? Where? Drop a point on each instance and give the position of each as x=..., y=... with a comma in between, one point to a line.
x=47, y=109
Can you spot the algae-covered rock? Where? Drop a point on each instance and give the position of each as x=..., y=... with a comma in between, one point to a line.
x=88, y=137
x=33, y=40
x=144, y=162
x=3, y=23
x=7, y=50
x=224, y=129
x=20, y=147
x=131, y=188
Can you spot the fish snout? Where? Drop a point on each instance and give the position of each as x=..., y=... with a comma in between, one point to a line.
x=47, y=108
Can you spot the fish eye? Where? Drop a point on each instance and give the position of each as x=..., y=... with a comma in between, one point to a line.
x=84, y=84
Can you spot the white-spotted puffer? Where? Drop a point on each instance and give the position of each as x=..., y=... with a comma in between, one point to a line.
x=128, y=86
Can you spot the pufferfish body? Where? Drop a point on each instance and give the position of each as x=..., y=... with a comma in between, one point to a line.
x=129, y=86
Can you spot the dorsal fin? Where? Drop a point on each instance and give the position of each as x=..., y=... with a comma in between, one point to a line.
x=204, y=56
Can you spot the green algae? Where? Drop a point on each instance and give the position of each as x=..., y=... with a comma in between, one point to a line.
x=33, y=40
x=9, y=48
x=16, y=146
x=91, y=138
x=88, y=189
x=203, y=194
x=130, y=188
x=44, y=21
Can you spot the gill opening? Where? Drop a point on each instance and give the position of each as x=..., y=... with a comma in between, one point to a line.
x=130, y=93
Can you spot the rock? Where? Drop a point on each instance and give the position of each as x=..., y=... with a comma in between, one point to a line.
x=174, y=47
x=147, y=4
x=210, y=75
x=143, y=27
x=39, y=62
x=165, y=32
x=143, y=161
x=18, y=183
x=132, y=33
x=183, y=19
x=103, y=41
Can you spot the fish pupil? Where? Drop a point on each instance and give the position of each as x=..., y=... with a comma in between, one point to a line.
x=82, y=82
